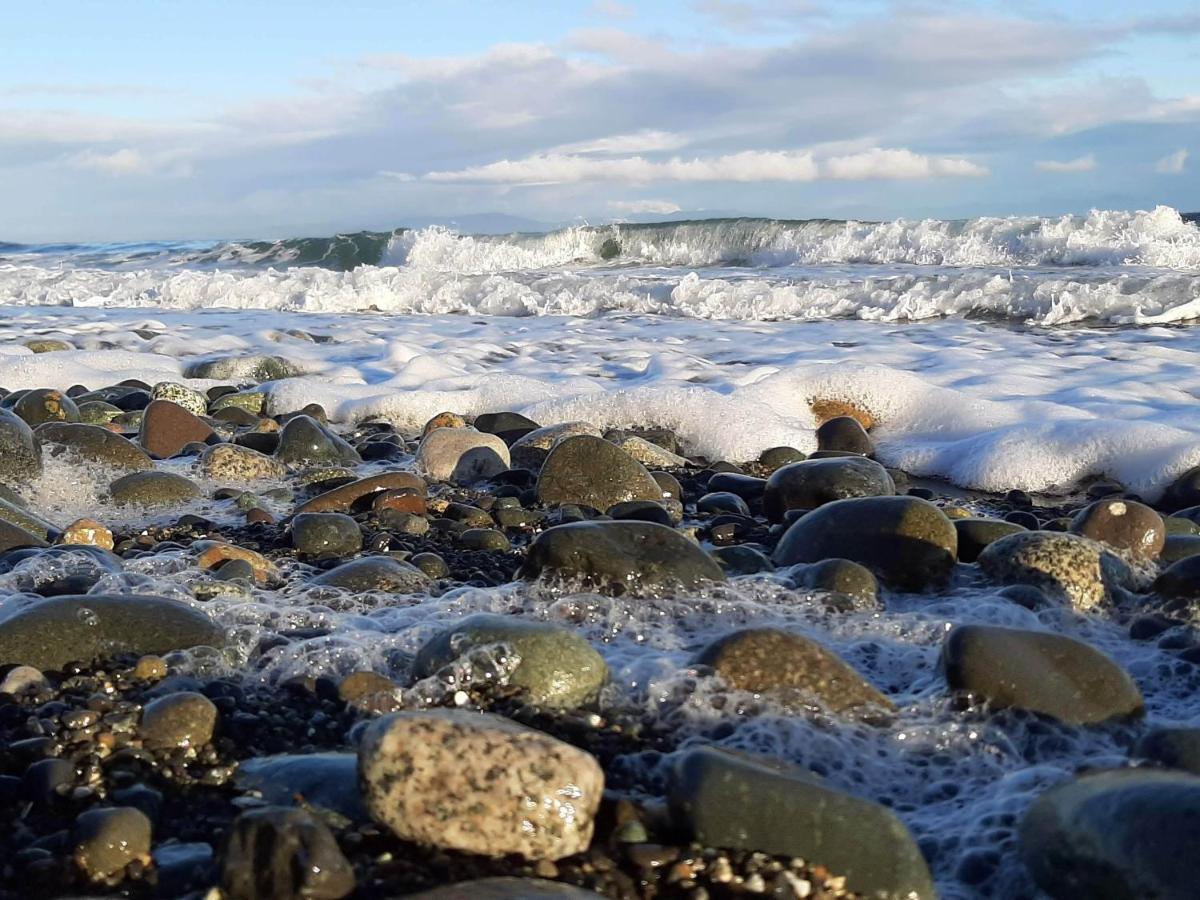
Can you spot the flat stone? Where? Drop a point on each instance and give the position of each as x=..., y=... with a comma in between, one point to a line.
x=91, y=443
x=1041, y=672
x=275, y=852
x=48, y=345
x=105, y=841
x=558, y=667
x=739, y=802
x=235, y=463
x=20, y=451
x=153, y=490
x=181, y=719
x=905, y=541
x=461, y=455
x=28, y=520
x=351, y=497
x=791, y=666
x=13, y=537
x=1124, y=524
x=590, y=471
x=625, y=555
x=252, y=402
x=375, y=573
x=304, y=441
x=1066, y=567
x=49, y=633
x=815, y=482
x=478, y=783
x=167, y=428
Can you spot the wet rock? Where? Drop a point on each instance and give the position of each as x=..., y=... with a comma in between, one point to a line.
x=444, y=420
x=815, y=482
x=642, y=511
x=649, y=454
x=193, y=401
x=30, y=521
x=508, y=426
x=20, y=451
x=1125, y=833
x=375, y=573
x=844, y=434
x=303, y=441
x=91, y=443
x=235, y=463
x=46, y=405
x=1172, y=748
x=1068, y=567
x=461, y=455
x=740, y=802
x=50, y=633
x=243, y=368
x=275, y=853
x=326, y=534
x=975, y=534
x=88, y=533
x=325, y=780
x=252, y=402
x=668, y=484
x=182, y=719
x=214, y=554
x=13, y=537
x=479, y=783
x=1042, y=672
x=1180, y=580
x=48, y=345
x=906, y=541
x=369, y=692
x=774, y=458
x=1179, y=546
x=97, y=412
x=153, y=490
x=740, y=559
x=105, y=841
x=719, y=502
x=1184, y=491
x=626, y=555
x=23, y=680
x=432, y=565
x=167, y=428
x=1124, y=524
x=488, y=539
x=558, y=667
x=840, y=576
x=354, y=496
x=530, y=451
x=773, y=661
x=591, y=471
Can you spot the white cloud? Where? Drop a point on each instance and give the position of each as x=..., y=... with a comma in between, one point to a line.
x=128, y=161
x=1067, y=167
x=1172, y=163
x=746, y=166
x=649, y=141
x=657, y=207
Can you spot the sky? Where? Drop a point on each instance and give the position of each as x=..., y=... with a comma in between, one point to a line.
x=182, y=119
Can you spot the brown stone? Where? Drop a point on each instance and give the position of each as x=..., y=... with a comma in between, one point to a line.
x=400, y=500
x=369, y=692
x=444, y=420
x=167, y=428
x=87, y=532
x=259, y=516
x=213, y=553
x=1124, y=524
x=343, y=499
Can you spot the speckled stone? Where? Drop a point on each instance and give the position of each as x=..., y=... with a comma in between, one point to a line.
x=20, y=451
x=93, y=443
x=558, y=667
x=153, y=490
x=1039, y=671
x=1123, y=524
x=235, y=463
x=193, y=401
x=48, y=345
x=530, y=451
x=375, y=573
x=479, y=783
x=87, y=532
x=461, y=455
x=252, y=402
x=1068, y=567
x=592, y=472
x=105, y=841
x=46, y=405
x=444, y=420
x=770, y=660
x=98, y=412
x=244, y=368
x=182, y=719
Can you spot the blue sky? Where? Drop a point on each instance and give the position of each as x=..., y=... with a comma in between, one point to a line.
x=140, y=120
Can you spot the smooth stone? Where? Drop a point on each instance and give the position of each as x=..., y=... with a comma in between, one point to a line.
x=976, y=534
x=369, y=691
x=167, y=428
x=624, y=555
x=193, y=401
x=461, y=455
x=649, y=454
x=105, y=841
x=217, y=554
x=506, y=887
x=1068, y=567
x=278, y=852
x=485, y=539
x=30, y=521
x=478, y=783
x=1179, y=546
x=1184, y=492
x=774, y=458
x=739, y=802
x=375, y=573
x=668, y=484
x=816, y=482
x=432, y=565
x=252, y=402
x=233, y=462
x=1180, y=580
x=747, y=487
x=530, y=451
x=14, y=537
x=558, y=668
x=326, y=780
x=739, y=559
x=48, y=345
x=326, y=534
x=773, y=661
x=590, y=471
x=906, y=541
x=1039, y=671
x=23, y=680
x=722, y=502
x=1179, y=524
x=510, y=426
x=1122, y=833
x=243, y=368
x=1172, y=748
x=182, y=719
x=93, y=443
x=98, y=412
x=46, y=405
x=349, y=497
x=840, y=576
x=152, y=490
x=641, y=511
x=1124, y=524
x=844, y=434
x=304, y=441
x=49, y=633
x=20, y=451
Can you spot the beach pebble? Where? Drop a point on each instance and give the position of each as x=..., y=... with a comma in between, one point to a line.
x=48, y=345
x=737, y=801
x=325, y=780
x=558, y=667
x=839, y=576
x=844, y=434
x=1071, y=568
x=1118, y=833
x=369, y=692
x=167, y=428
x=46, y=405
x=508, y=426
x=444, y=420
x=1180, y=580
x=374, y=573
x=277, y=852
x=304, y=441
x=105, y=841
x=252, y=402
x=633, y=556
x=739, y=559
x=182, y=719
x=904, y=540
x=976, y=534
x=243, y=368
x=774, y=458
x=432, y=565
x=531, y=450
x=213, y=554
x=1177, y=547
x=357, y=495
x=488, y=539
x=791, y=666
x=649, y=454
x=98, y=412
x=1172, y=748
x=590, y=471
x=152, y=490
x=479, y=783
x=643, y=511
x=14, y=536
x=22, y=680
x=92, y=443
x=235, y=463
x=193, y=401
x=22, y=517
x=1184, y=491
x=1124, y=524
x=20, y=451
x=326, y=534
x=1042, y=672
x=815, y=482
x=461, y=455
x=719, y=502
x=87, y=532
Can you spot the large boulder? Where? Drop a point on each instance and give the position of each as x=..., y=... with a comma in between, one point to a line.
x=590, y=471
x=1038, y=671
x=815, y=482
x=739, y=802
x=622, y=555
x=478, y=783
x=906, y=541
x=1068, y=567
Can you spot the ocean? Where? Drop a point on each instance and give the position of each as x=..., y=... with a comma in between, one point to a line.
x=994, y=354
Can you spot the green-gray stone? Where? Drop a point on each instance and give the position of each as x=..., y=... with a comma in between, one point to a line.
x=375, y=573
x=558, y=667
x=840, y=576
x=14, y=536
x=97, y=412
x=244, y=368
x=1179, y=546
x=94, y=444
x=326, y=534
x=252, y=402
x=483, y=539
x=589, y=470
x=739, y=559
x=46, y=405
x=20, y=451
x=815, y=482
x=31, y=522
x=193, y=401
x=152, y=489
x=975, y=534
x=303, y=441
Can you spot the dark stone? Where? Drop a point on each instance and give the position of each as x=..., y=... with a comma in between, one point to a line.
x=815, y=482
x=843, y=433
x=326, y=780
x=722, y=502
x=747, y=487
x=277, y=853
x=589, y=470
x=303, y=441
x=975, y=534
x=326, y=534
x=641, y=511
x=375, y=573
x=20, y=451
x=1180, y=580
